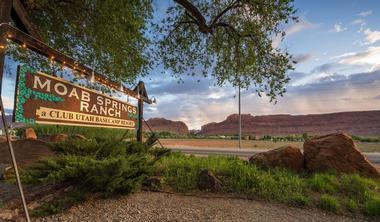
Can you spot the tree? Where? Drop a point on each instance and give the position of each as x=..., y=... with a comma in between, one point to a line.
x=230, y=40
x=104, y=34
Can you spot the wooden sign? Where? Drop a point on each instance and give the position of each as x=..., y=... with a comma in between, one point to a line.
x=45, y=99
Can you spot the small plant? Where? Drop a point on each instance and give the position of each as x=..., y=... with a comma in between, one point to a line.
x=372, y=206
x=351, y=205
x=57, y=205
x=326, y=183
x=329, y=203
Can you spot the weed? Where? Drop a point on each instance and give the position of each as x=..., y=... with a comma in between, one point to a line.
x=323, y=183
x=372, y=206
x=351, y=205
x=329, y=203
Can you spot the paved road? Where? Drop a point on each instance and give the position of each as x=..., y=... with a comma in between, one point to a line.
x=245, y=153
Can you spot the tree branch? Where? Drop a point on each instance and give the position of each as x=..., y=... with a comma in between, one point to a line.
x=189, y=7
x=217, y=17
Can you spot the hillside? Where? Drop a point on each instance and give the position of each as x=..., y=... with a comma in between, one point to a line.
x=356, y=123
x=164, y=125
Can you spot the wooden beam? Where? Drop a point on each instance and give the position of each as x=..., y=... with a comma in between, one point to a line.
x=38, y=46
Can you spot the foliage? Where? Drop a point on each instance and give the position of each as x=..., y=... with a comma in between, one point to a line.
x=89, y=132
x=181, y=172
x=98, y=33
x=366, y=139
x=329, y=203
x=57, y=205
x=372, y=206
x=326, y=183
x=336, y=192
x=232, y=41
x=351, y=205
x=100, y=165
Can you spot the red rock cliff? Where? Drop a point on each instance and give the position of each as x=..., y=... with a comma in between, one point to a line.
x=164, y=125
x=356, y=123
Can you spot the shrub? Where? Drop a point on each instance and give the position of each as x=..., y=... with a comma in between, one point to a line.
x=99, y=165
x=329, y=203
x=58, y=205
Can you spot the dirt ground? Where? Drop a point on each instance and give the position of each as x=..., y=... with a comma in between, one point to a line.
x=248, y=144
x=147, y=206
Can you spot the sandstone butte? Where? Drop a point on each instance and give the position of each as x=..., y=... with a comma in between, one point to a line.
x=364, y=123
x=164, y=125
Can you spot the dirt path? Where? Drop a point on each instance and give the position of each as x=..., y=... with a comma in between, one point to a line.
x=146, y=206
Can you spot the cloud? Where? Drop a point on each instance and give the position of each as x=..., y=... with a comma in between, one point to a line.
x=358, y=22
x=302, y=58
x=338, y=28
x=365, y=13
x=293, y=29
x=333, y=93
x=370, y=57
x=371, y=36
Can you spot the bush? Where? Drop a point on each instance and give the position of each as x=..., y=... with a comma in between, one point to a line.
x=99, y=165
x=329, y=203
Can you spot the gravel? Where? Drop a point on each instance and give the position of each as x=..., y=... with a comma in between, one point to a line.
x=149, y=206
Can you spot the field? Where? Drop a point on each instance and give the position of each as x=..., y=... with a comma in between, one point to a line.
x=249, y=144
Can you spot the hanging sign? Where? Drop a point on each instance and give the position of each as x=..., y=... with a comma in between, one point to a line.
x=45, y=99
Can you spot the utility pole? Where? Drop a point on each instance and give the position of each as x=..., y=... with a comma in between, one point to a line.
x=239, y=118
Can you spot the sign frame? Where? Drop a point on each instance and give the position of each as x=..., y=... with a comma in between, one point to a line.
x=18, y=112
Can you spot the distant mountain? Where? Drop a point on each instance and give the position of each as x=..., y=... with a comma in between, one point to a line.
x=356, y=123
x=164, y=125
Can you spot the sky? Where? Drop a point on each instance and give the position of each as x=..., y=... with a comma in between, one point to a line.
x=336, y=44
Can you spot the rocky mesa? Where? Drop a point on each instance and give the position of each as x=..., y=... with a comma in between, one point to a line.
x=165, y=125
x=364, y=123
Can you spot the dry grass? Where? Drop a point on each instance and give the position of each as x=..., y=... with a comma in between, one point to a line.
x=248, y=144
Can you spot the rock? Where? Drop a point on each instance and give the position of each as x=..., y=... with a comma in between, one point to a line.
x=365, y=122
x=30, y=134
x=337, y=152
x=59, y=138
x=8, y=173
x=79, y=137
x=33, y=205
x=3, y=139
x=27, y=152
x=288, y=157
x=6, y=214
x=207, y=181
x=164, y=125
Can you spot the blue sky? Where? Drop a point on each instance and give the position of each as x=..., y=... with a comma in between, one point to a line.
x=336, y=44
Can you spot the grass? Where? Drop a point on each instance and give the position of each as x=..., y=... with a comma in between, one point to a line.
x=329, y=203
x=329, y=191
